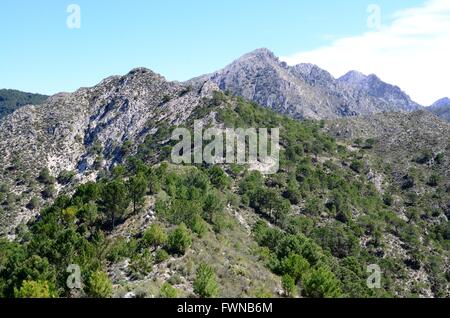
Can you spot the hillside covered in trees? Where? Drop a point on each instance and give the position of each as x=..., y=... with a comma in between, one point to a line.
x=148, y=228
x=10, y=100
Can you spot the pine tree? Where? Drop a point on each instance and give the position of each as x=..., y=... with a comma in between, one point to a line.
x=137, y=187
x=115, y=199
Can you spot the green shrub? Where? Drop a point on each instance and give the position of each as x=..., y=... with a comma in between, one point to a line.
x=99, y=285
x=205, y=284
x=141, y=265
x=434, y=180
x=199, y=226
x=33, y=204
x=154, y=236
x=320, y=283
x=49, y=191
x=65, y=177
x=424, y=157
x=357, y=166
x=45, y=177
x=295, y=266
x=179, y=240
x=167, y=291
x=33, y=289
x=289, y=287
x=161, y=256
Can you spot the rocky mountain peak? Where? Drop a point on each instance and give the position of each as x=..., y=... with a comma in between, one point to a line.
x=441, y=108
x=353, y=77
x=443, y=102
x=262, y=53
x=305, y=90
x=312, y=74
x=375, y=87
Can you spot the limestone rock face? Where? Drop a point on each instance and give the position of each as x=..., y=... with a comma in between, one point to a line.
x=75, y=131
x=306, y=91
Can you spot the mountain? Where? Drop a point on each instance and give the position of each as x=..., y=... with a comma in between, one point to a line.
x=441, y=108
x=334, y=207
x=10, y=100
x=79, y=131
x=86, y=178
x=305, y=90
x=375, y=87
x=400, y=138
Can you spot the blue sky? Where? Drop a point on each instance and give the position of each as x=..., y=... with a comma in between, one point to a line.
x=178, y=38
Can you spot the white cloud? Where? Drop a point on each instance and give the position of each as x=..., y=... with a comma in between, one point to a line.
x=413, y=52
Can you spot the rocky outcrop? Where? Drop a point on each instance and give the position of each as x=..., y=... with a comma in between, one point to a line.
x=84, y=129
x=380, y=90
x=306, y=91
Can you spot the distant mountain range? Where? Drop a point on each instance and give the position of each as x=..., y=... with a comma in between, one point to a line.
x=442, y=108
x=305, y=90
x=10, y=100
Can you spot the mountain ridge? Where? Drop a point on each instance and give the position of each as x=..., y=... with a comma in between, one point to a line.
x=305, y=91
x=80, y=130
x=441, y=108
x=11, y=99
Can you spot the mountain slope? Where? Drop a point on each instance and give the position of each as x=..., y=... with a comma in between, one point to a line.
x=349, y=193
x=414, y=150
x=83, y=132
x=321, y=217
x=373, y=86
x=304, y=90
x=441, y=108
x=10, y=100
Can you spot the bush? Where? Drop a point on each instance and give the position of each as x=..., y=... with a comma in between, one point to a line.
x=121, y=249
x=295, y=266
x=221, y=222
x=388, y=199
x=218, y=178
x=213, y=204
x=424, y=157
x=439, y=158
x=141, y=265
x=99, y=285
x=408, y=182
x=161, y=256
x=434, y=180
x=167, y=291
x=179, y=240
x=357, y=166
x=45, y=177
x=289, y=287
x=49, y=191
x=338, y=239
x=65, y=177
x=205, y=284
x=33, y=289
x=154, y=236
x=199, y=226
x=321, y=283
x=33, y=204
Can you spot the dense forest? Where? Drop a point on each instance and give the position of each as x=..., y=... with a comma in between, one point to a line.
x=10, y=100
